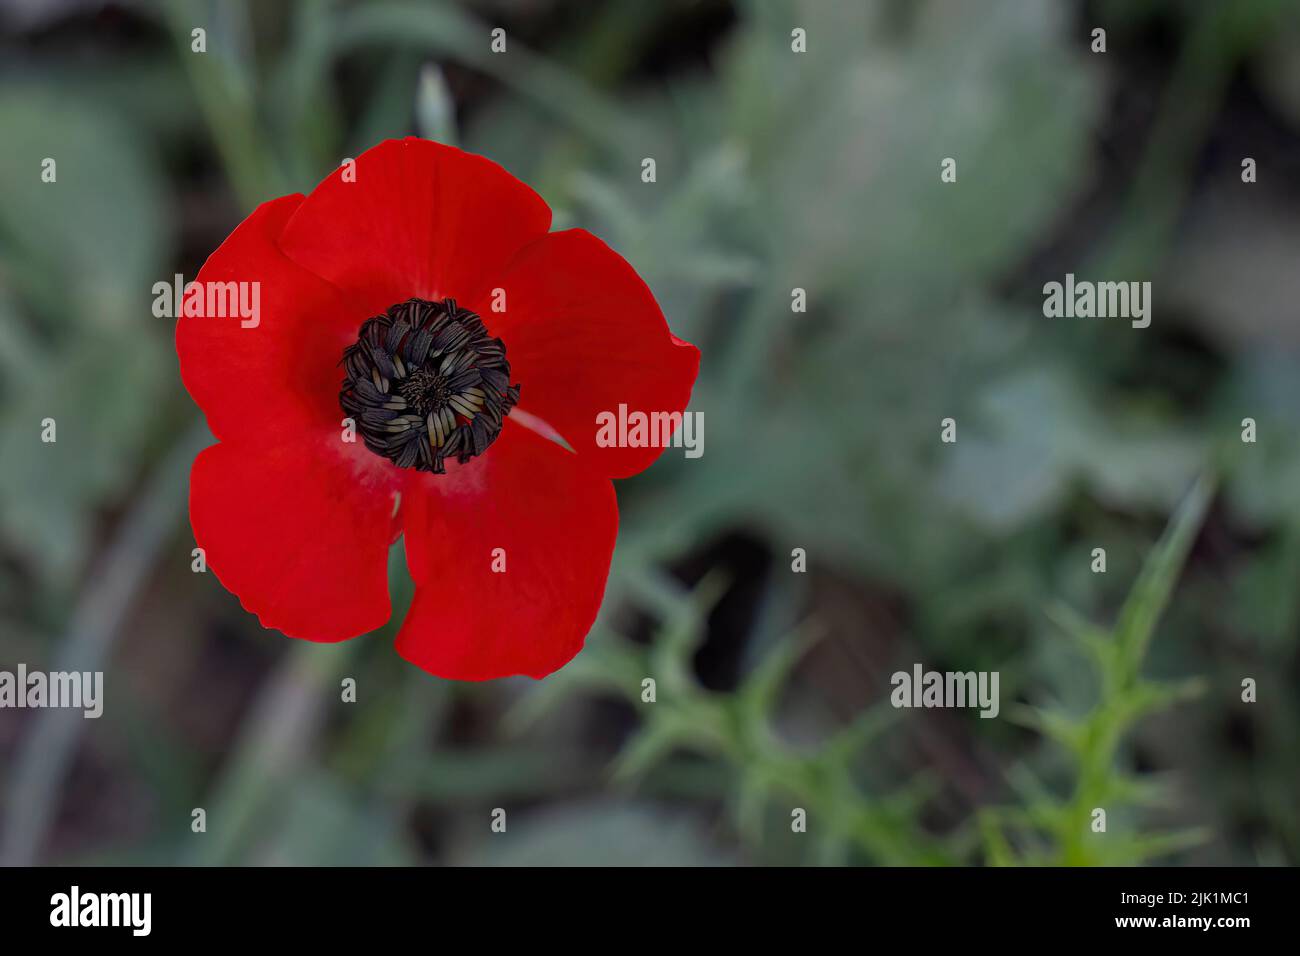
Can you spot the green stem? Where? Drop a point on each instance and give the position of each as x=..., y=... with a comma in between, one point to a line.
x=228, y=109
x=45, y=754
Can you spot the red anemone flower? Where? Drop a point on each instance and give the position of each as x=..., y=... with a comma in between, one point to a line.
x=422, y=342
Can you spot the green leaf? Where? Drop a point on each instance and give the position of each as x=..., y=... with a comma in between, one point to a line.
x=435, y=113
x=1155, y=583
x=90, y=242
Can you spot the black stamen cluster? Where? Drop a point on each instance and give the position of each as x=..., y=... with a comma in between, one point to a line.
x=425, y=382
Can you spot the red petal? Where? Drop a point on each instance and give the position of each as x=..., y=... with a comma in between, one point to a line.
x=421, y=219
x=556, y=522
x=583, y=335
x=281, y=375
x=300, y=532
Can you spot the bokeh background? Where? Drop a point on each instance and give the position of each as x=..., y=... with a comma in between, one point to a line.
x=776, y=170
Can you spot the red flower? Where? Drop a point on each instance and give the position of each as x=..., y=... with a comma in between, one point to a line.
x=376, y=304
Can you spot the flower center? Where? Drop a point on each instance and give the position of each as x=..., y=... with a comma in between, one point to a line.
x=425, y=382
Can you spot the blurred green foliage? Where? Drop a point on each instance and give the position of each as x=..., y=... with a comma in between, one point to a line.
x=775, y=171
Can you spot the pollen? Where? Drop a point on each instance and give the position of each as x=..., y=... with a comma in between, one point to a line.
x=425, y=382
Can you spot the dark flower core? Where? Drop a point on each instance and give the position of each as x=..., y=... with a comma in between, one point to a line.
x=426, y=382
